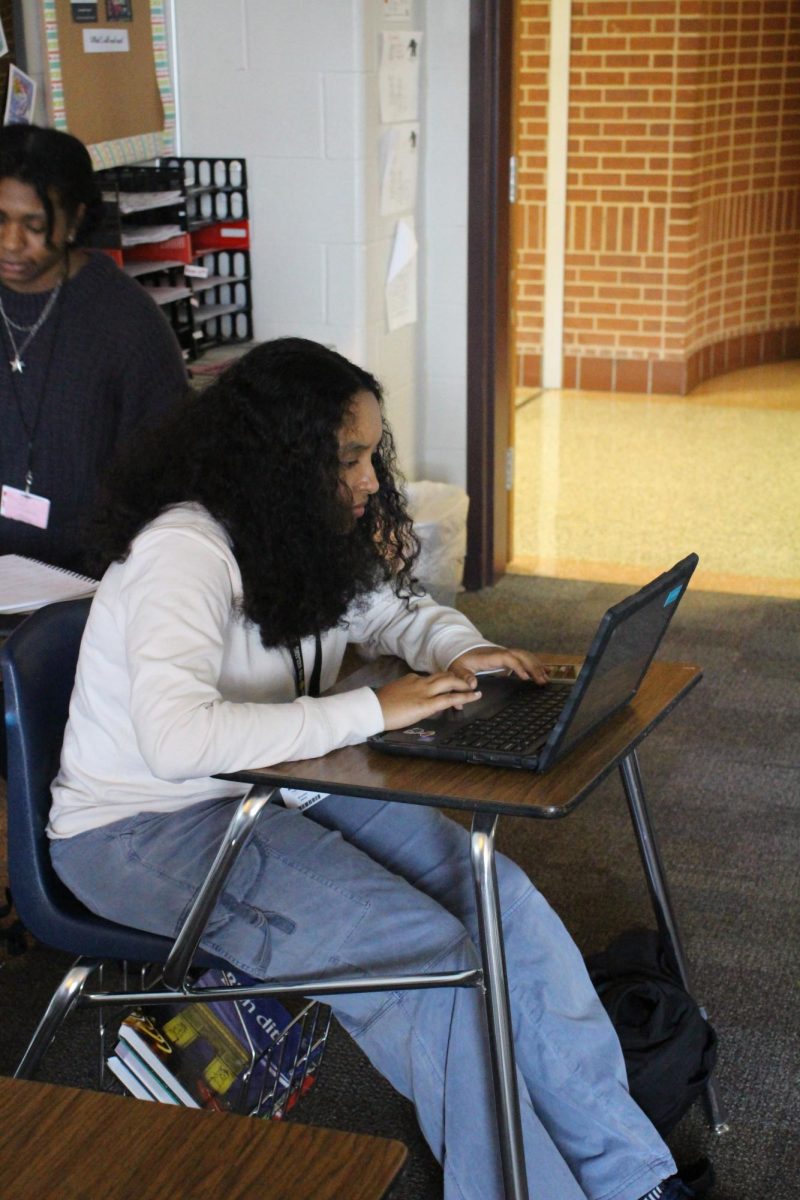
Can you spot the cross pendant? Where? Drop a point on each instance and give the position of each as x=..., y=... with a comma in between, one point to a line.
x=17, y=364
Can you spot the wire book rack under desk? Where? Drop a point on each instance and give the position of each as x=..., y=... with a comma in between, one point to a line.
x=254, y=1057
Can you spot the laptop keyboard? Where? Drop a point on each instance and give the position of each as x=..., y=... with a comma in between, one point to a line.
x=513, y=727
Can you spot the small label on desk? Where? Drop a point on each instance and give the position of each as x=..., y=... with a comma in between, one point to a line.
x=562, y=671
x=297, y=798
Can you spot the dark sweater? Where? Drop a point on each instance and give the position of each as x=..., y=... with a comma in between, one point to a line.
x=109, y=361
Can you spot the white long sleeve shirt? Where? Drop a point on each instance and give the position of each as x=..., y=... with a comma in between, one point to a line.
x=173, y=684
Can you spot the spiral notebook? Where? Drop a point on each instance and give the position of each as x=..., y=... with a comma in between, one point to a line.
x=26, y=584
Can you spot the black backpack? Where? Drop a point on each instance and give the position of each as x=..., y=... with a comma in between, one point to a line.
x=669, y=1046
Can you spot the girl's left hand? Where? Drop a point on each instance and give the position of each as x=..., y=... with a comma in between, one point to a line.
x=522, y=663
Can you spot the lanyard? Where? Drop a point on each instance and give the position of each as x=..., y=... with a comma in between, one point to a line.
x=32, y=428
x=299, y=668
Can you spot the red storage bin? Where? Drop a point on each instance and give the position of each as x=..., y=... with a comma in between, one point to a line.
x=175, y=248
x=222, y=235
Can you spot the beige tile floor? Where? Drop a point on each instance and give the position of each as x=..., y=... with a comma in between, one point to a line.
x=617, y=487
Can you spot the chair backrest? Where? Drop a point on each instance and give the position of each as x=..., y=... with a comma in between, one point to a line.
x=38, y=662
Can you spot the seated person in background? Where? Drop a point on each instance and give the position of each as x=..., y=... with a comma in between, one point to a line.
x=86, y=356
x=255, y=534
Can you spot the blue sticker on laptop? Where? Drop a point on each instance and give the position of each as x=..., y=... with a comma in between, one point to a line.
x=673, y=595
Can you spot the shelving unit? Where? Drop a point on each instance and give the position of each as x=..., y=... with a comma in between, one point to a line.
x=219, y=227
x=197, y=263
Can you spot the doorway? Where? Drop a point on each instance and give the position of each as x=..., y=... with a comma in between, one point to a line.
x=488, y=298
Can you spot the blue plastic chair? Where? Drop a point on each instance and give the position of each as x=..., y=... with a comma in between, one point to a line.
x=38, y=674
x=38, y=663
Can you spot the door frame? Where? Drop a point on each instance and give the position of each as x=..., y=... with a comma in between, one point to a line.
x=488, y=294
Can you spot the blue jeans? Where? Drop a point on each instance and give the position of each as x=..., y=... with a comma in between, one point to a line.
x=363, y=886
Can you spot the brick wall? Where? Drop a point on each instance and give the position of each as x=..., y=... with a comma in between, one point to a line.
x=683, y=201
x=741, y=79
x=532, y=28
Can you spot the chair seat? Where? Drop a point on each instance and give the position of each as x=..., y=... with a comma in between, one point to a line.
x=75, y=930
x=39, y=661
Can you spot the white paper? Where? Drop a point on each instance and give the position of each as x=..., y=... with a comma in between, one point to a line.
x=396, y=10
x=399, y=157
x=130, y=202
x=3, y=42
x=105, y=41
x=140, y=235
x=144, y=266
x=398, y=75
x=401, y=279
x=168, y=294
x=26, y=583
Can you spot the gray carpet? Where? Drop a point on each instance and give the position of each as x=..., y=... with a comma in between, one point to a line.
x=722, y=779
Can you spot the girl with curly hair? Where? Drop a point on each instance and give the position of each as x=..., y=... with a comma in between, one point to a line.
x=248, y=541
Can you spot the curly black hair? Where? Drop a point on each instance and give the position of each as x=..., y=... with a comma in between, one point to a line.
x=49, y=160
x=259, y=450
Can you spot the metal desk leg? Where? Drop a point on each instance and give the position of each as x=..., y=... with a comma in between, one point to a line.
x=498, y=1010
x=659, y=894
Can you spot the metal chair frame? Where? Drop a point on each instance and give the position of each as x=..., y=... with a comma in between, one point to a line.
x=53, y=634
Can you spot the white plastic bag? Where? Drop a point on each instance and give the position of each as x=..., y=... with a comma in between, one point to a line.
x=439, y=512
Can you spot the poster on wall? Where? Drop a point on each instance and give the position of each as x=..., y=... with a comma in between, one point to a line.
x=399, y=157
x=396, y=10
x=3, y=42
x=398, y=75
x=20, y=98
x=119, y=10
x=401, y=278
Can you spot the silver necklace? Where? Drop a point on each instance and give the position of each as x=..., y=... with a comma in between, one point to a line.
x=16, y=363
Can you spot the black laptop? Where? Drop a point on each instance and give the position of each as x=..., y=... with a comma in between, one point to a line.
x=522, y=724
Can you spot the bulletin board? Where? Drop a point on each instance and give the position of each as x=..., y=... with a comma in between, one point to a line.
x=119, y=102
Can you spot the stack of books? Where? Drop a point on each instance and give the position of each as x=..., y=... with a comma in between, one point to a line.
x=247, y=1056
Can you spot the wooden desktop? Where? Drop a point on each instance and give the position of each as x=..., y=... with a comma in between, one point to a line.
x=69, y=1144
x=363, y=771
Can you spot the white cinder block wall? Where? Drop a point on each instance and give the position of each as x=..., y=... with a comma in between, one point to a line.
x=292, y=86
x=442, y=374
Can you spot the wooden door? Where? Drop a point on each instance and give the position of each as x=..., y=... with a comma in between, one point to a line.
x=488, y=333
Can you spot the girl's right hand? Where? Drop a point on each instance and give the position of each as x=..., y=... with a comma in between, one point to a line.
x=412, y=698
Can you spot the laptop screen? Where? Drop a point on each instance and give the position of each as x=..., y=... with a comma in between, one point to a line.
x=620, y=654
